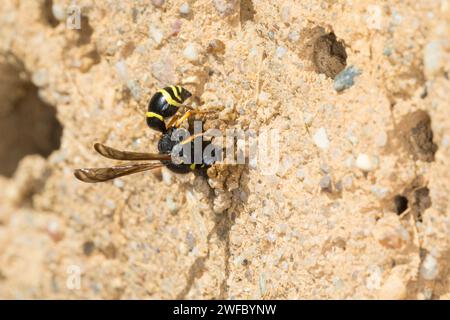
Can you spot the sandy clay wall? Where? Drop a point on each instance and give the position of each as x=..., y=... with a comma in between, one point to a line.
x=358, y=207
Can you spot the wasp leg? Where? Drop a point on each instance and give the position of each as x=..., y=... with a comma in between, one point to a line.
x=186, y=115
x=193, y=137
x=176, y=116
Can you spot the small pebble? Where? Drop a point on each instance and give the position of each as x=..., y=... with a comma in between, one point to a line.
x=373, y=281
x=121, y=69
x=320, y=139
x=280, y=52
x=226, y=7
x=119, y=183
x=375, y=17
x=387, y=51
x=365, y=162
x=40, y=78
x=300, y=174
x=347, y=182
x=110, y=204
x=381, y=139
x=185, y=9
x=88, y=247
x=171, y=205
x=394, y=288
x=344, y=79
x=134, y=88
x=158, y=3
x=286, y=14
x=380, y=192
x=190, y=240
x=429, y=269
x=191, y=52
x=271, y=237
x=54, y=230
x=156, y=34
x=58, y=12
x=433, y=58
x=262, y=284
x=325, y=183
x=264, y=97
x=282, y=228
x=324, y=167
x=338, y=283
x=166, y=176
x=293, y=36
x=308, y=118
x=176, y=27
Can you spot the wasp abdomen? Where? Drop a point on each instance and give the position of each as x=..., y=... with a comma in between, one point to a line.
x=164, y=104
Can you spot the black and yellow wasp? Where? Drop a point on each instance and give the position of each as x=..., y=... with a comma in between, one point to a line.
x=165, y=103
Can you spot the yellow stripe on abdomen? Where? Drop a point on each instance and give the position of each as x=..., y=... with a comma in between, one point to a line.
x=169, y=98
x=175, y=92
x=150, y=114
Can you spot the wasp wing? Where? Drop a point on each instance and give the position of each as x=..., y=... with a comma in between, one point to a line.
x=104, y=174
x=115, y=154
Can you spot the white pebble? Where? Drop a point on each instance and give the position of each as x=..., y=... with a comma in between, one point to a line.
x=171, y=205
x=58, y=12
x=375, y=17
x=280, y=52
x=122, y=71
x=226, y=7
x=301, y=174
x=166, y=176
x=293, y=36
x=271, y=237
x=373, y=281
x=110, y=204
x=264, y=97
x=325, y=182
x=349, y=162
x=40, y=78
x=381, y=139
x=347, y=182
x=433, y=60
x=191, y=52
x=253, y=162
x=365, y=162
x=321, y=139
x=156, y=34
x=307, y=118
x=379, y=192
x=394, y=288
x=119, y=183
x=286, y=14
x=134, y=88
x=184, y=8
x=53, y=227
x=429, y=269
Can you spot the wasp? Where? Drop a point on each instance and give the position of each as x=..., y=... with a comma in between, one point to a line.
x=164, y=104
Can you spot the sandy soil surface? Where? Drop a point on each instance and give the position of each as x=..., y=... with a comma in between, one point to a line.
x=358, y=208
